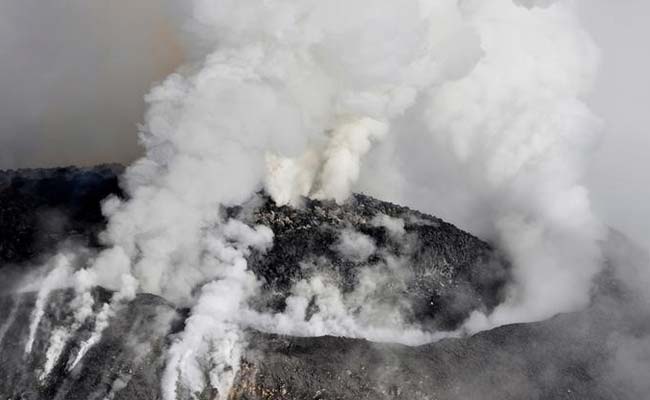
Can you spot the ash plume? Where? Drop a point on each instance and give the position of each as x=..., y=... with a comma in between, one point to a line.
x=471, y=108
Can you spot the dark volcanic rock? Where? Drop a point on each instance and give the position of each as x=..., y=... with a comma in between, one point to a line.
x=129, y=358
x=551, y=360
x=42, y=207
x=566, y=357
x=584, y=355
x=451, y=272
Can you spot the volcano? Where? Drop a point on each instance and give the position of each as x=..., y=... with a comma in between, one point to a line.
x=438, y=275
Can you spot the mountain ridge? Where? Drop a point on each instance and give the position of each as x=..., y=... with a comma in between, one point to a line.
x=566, y=357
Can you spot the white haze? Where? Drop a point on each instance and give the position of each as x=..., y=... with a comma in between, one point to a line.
x=472, y=110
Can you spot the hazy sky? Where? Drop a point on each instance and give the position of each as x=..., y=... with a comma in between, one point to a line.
x=73, y=74
x=620, y=174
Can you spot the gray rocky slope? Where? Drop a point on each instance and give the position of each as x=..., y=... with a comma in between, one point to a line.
x=450, y=273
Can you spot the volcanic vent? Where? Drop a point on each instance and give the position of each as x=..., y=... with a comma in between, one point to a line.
x=313, y=282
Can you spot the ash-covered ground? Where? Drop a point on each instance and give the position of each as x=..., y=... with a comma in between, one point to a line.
x=435, y=275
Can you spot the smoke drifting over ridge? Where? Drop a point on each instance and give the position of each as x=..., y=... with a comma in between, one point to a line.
x=471, y=109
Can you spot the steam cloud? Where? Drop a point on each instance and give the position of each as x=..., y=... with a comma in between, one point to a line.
x=294, y=96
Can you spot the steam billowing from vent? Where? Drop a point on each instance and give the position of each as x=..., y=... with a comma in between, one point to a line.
x=518, y=132
x=291, y=96
x=324, y=174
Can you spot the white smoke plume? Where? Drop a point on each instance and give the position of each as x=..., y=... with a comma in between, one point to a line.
x=326, y=174
x=355, y=246
x=58, y=340
x=212, y=340
x=55, y=279
x=101, y=323
x=501, y=151
x=394, y=226
x=292, y=95
x=302, y=81
x=82, y=305
x=373, y=310
x=10, y=318
x=518, y=128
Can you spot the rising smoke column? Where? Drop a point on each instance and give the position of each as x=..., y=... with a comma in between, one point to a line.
x=501, y=151
x=518, y=129
x=291, y=95
x=61, y=270
x=275, y=80
x=283, y=80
